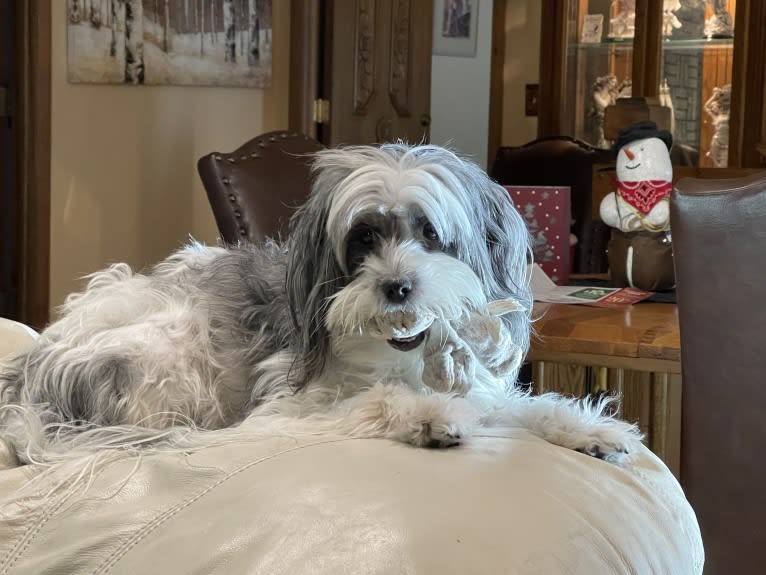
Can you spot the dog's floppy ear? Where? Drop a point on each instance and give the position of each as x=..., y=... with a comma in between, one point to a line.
x=495, y=241
x=508, y=240
x=313, y=275
x=508, y=253
x=509, y=248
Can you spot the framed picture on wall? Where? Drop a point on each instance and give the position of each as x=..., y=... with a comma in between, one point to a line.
x=456, y=25
x=215, y=43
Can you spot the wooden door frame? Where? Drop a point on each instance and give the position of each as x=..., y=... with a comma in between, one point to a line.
x=305, y=46
x=553, y=67
x=747, y=133
x=496, y=83
x=33, y=116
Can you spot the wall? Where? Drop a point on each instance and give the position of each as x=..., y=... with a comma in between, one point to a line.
x=124, y=185
x=521, y=67
x=460, y=94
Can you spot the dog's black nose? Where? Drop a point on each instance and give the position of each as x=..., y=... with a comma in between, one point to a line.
x=397, y=291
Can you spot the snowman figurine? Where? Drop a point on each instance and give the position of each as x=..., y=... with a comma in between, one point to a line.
x=640, y=251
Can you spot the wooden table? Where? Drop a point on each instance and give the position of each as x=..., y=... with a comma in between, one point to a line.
x=633, y=351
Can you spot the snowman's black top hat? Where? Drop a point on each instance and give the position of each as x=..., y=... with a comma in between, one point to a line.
x=640, y=131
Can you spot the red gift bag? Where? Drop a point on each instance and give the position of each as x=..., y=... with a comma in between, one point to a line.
x=546, y=211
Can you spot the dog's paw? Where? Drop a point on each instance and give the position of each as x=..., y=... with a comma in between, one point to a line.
x=438, y=421
x=611, y=440
x=451, y=368
x=439, y=435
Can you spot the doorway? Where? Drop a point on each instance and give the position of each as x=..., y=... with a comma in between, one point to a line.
x=334, y=70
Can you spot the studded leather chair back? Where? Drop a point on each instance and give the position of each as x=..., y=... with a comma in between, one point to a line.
x=255, y=189
x=718, y=246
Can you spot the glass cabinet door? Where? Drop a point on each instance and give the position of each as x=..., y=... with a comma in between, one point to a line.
x=695, y=71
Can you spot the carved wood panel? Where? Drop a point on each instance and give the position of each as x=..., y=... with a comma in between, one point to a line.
x=364, y=57
x=399, y=76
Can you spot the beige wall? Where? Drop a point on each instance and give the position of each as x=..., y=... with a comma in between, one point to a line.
x=124, y=185
x=522, y=61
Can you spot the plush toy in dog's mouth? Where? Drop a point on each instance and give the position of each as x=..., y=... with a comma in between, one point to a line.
x=407, y=343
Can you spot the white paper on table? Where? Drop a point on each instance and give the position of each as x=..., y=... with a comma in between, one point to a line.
x=543, y=289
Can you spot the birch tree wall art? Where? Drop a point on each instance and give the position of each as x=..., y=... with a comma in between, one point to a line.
x=181, y=42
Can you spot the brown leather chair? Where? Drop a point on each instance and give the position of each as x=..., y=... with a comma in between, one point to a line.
x=719, y=244
x=562, y=161
x=255, y=189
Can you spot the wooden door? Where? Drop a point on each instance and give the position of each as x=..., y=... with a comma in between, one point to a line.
x=378, y=76
x=25, y=159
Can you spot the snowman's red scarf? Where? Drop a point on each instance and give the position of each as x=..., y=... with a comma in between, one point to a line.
x=644, y=195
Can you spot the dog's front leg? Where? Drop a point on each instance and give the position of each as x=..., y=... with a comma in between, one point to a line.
x=395, y=412
x=579, y=424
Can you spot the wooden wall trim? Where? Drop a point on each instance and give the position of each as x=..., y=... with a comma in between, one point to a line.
x=304, y=64
x=496, y=84
x=553, y=62
x=748, y=108
x=647, y=48
x=34, y=146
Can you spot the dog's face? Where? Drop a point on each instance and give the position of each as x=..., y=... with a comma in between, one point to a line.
x=394, y=238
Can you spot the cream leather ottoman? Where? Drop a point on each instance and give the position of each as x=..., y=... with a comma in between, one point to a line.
x=507, y=502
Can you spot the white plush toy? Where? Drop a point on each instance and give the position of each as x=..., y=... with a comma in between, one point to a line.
x=644, y=180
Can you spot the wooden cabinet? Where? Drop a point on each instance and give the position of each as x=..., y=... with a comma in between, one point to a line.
x=678, y=59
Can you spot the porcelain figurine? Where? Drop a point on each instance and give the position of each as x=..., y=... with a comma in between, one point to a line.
x=670, y=21
x=622, y=25
x=720, y=24
x=717, y=107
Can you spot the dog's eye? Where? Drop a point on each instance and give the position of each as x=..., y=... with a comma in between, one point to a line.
x=429, y=232
x=367, y=236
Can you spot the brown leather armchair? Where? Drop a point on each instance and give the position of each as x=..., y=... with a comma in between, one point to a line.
x=719, y=245
x=562, y=161
x=254, y=190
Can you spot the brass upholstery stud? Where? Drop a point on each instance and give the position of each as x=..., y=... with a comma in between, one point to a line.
x=242, y=232
x=255, y=155
x=232, y=198
x=226, y=181
x=217, y=158
x=230, y=160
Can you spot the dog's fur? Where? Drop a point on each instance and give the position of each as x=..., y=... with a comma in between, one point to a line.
x=377, y=318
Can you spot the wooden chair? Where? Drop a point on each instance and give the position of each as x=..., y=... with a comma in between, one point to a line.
x=254, y=190
x=562, y=161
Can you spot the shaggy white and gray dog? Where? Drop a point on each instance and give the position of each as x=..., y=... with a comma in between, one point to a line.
x=398, y=308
